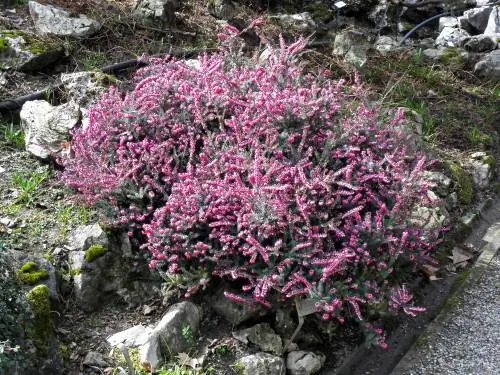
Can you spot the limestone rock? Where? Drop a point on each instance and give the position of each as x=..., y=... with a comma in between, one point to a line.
x=156, y=9
x=438, y=182
x=300, y=22
x=479, y=43
x=448, y=22
x=85, y=235
x=169, y=329
x=478, y=17
x=95, y=359
x=140, y=337
x=493, y=26
x=235, y=313
x=481, y=169
x=222, y=9
x=430, y=217
x=52, y=20
x=264, y=337
x=46, y=127
x=451, y=37
x=353, y=46
x=83, y=88
x=489, y=66
x=262, y=364
x=25, y=52
x=385, y=44
x=304, y=363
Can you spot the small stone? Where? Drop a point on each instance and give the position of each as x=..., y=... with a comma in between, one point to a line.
x=95, y=359
x=262, y=364
x=147, y=310
x=304, y=363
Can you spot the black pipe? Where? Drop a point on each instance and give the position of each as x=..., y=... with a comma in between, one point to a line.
x=16, y=103
x=409, y=33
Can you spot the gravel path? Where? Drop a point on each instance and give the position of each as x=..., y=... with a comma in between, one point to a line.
x=467, y=339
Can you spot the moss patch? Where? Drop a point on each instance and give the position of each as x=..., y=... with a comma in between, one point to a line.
x=30, y=273
x=463, y=183
x=39, y=299
x=94, y=252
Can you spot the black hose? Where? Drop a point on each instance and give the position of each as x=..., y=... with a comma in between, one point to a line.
x=17, y=103
x=409, y=33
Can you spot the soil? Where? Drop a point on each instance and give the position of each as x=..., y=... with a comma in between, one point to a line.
x=464, y=117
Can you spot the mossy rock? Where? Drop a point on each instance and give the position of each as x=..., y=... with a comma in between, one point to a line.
x=39, y=299
x=95, y=251
x=463, y=183
x=30, y=273
x=27, y=52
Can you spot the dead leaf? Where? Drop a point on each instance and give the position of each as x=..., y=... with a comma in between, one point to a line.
x=460, y=257
x=429, y=271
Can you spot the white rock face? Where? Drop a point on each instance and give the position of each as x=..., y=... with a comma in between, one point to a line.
x=451, y=37
x=83, y=88
x=489, y=66
x=156, y=9
x=353, y=45
x=263, y=364
x=51, y=20
x=493, y=26
x=47, y=127
x=447, y=22
x=478, y=17
x=304, y=363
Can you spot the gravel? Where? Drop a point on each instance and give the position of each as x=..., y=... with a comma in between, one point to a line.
x=466, y=339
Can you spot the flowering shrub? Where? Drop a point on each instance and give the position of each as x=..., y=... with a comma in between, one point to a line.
x=282, y=181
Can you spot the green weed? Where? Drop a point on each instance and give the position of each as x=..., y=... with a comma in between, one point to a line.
x=12, y=135
x=28, y=186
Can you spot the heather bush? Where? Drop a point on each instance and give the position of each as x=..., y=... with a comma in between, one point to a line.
x=277, y=179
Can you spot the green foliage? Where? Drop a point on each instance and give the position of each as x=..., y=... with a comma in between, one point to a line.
x=478, y=138
x=187, y=333
x=238, y=368
x=28, y=186
x=463, y=183
x=94, y=252
x=12, y=135
x=31, y=274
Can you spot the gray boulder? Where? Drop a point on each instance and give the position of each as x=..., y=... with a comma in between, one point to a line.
x=151, y=10
x=264, y=337
x=47, y=127
x=262, y=364
x=353, y=46
x=234, y=313
x=301, y=22
x=489, y=66
x=52, y=20
x=479, y=43
x=451, y=37
x=83, y=88
x=448, y=22
x=481, y=169
x=222, y=9
x=170, y=328
x=144, y=339
x=493, y=26
x=304, y=363
x=438, y=182
x=25, y=52
x=478, y=17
